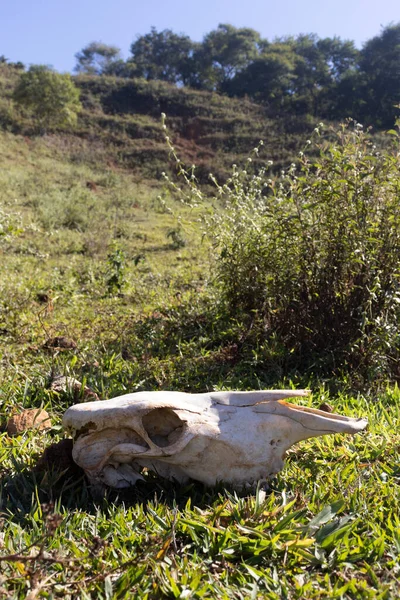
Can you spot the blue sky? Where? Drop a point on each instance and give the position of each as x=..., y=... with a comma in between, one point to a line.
x=52, y=31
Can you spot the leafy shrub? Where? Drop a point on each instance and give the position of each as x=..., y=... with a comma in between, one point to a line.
x=312, y=255
x=115, y=275
x=7, y=116
x=52, y=97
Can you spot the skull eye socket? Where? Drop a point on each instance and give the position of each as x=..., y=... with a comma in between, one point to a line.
x=163, y=426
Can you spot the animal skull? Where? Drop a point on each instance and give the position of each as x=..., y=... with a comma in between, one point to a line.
x=236, y=437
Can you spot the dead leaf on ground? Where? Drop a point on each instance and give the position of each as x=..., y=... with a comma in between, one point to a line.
x=60, y=342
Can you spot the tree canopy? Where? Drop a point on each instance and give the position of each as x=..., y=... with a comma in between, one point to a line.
x=97, y=58
x=323, y=77
x=380, y=66
x=162, y=55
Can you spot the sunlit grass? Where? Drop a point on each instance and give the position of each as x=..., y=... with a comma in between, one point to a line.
x=328, y=526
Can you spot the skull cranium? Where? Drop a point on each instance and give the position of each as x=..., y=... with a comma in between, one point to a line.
x=235, y=437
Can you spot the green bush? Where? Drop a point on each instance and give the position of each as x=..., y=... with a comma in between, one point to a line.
x=312, y=256
x=115, y=275
x=7, y=115
x=52, y=97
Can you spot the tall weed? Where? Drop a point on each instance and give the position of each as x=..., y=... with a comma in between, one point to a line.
x=311, y=255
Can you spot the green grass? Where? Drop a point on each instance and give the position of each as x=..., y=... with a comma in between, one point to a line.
x=326, y=527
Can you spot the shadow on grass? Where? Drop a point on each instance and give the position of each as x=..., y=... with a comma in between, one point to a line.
x=60, y=484
x=56, y=480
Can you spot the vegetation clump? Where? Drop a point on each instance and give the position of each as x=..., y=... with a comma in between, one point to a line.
x=311, y=255
x=52, y=98
x=115, y=276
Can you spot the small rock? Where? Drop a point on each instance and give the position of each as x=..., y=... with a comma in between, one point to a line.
x=32, y=418
x=61, y=384
x=60, y=342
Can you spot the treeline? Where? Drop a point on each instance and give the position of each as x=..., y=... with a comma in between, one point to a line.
x=323, y=77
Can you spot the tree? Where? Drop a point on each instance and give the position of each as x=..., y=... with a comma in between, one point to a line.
x=227, y=51
x=97, y=58
x=300, y=74
x=51, y=97
x=269, y=78
x=380, y=65
x=162, y=55
x=318, y=67
x=349, y=98
x=338, y=95
x=341, y=56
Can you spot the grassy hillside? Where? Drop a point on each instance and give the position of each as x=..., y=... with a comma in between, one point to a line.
x=120, y=123
x=210, y=130
x=63, y=225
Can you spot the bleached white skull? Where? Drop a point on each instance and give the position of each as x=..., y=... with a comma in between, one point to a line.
x=235, y=437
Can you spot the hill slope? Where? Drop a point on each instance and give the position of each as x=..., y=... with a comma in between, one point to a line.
x=120, y=123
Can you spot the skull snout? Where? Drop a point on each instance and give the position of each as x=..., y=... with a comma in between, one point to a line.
x=318, y=422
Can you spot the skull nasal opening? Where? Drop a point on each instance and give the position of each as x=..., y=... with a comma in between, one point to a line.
x=163, y=426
